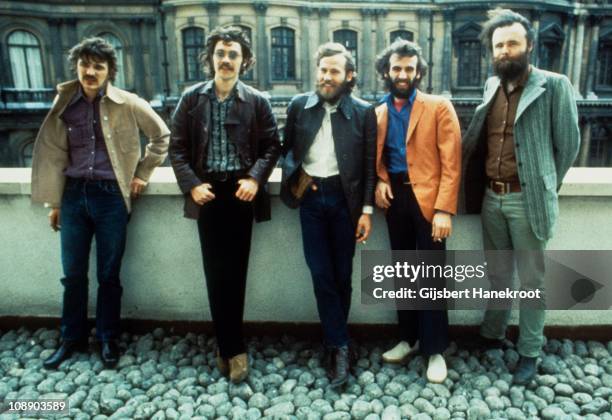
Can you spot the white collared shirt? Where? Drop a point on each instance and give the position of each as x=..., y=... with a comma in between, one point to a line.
x=320, y=160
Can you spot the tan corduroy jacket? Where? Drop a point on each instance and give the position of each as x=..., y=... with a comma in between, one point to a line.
x=123, y=115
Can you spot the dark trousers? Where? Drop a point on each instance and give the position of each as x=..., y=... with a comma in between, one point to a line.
x=409, y=230
x=88, y=209
x=328, y=237
x=225, y=226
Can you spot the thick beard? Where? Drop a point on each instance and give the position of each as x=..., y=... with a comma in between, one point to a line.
x=401, y=93
x=511, y=68
x=342, y=89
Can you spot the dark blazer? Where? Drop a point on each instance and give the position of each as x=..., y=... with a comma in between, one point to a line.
x=250, y=124
x=546, y=142
x=354, y=133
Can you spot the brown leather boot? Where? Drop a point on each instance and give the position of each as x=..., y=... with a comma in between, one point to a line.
x=238, y=367
x=222, y=365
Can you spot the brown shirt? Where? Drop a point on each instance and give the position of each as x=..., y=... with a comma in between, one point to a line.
x=501, y=161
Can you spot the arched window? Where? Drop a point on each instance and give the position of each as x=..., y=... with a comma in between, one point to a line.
x=193, y=45
x=26, y=60
x=401, y=33
x=247, y=31
x=283, y=53
x=116, y=43
x=551, y=42
x=604, y=61
x=469, y=55
x=348, y=38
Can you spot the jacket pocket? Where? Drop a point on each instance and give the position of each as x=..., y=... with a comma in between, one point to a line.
x=80, y=135
x=129, y=141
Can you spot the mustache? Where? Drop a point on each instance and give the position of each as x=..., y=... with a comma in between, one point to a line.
x=226, y=66
x=90, y=78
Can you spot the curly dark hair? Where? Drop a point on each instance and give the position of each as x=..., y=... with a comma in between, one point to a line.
x=227, y=34
x=504, y=17
x=95, y=48
x=330, y=49
x=402, y=48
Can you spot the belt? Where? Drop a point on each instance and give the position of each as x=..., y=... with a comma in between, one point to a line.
x=500, y=187
x=399, y=178
x=333, y=181
x=225, y=176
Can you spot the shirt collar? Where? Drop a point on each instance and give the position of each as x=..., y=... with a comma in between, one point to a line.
x=81, y=95
x=343, y=104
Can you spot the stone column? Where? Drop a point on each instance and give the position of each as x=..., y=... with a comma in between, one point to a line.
x=425, y=40
x=306, y=69
x=585, y=144
x=139, y=69
x=263, y=73
x=367, y=74
x=537, y=14
x=567, y=45
x=578, y=50
x=212, y=8
x=381, y=14
x=169, y=62
x=323, y=25
x=153, y=82
x=592, y=64
x=56, y=48
x=70, y=24
x=447, y=51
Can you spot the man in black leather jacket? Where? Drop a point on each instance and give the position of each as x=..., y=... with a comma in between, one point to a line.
x=329, y=172
x=224, y=146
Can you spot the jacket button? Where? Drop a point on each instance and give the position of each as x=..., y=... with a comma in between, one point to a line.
x=520, y=164
x=517, y=145
x=523, y=184
x=105, y=118
x=345, y=156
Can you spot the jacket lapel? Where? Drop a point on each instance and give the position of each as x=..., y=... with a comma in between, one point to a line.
x=533, y=89
x=415, y=114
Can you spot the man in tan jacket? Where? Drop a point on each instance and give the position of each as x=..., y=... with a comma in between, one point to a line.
x=418, y=163
x=87, y=167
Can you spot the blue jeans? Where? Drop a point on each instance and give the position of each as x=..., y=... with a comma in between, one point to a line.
x=328, y=236
x=92, y=208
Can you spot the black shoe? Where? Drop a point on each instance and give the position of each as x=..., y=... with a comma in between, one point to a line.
x=525, y=371
x=109, y=353
x=342, y=366
x=63, y=352
x=473, y=343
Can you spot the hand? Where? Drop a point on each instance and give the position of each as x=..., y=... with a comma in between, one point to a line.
x=383, y=195
x=202, y=194
x=364, y=226
x=247, y=190
x=54, y=219
x=136, y=187
x=441, y=226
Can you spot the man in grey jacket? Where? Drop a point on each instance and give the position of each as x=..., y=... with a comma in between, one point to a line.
x=520, y=144
x=87, y=166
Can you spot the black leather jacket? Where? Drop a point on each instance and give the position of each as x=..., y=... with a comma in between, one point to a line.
x=250, y=124
x=354, y=133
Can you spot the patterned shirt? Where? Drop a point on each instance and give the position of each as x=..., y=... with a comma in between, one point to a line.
x=222, y=154
x=88, y=154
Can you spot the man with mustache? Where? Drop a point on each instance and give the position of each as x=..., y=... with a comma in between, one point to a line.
x=224, y=146
x=520, y=144
x=328, y=171
x=418, y=163
x=87, y=167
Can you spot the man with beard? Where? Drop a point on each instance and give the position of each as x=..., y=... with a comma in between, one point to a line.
x=88, y=168
x=418, y=163
x=223, y=147
x=328, y=171
x=521, y=142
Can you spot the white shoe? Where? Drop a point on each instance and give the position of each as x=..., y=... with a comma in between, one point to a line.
x=400, y=352
x=436, y=369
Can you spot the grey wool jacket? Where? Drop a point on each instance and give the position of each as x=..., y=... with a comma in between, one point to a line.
x=546, y=143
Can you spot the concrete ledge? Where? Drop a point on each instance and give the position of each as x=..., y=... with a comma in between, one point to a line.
x=162, y=273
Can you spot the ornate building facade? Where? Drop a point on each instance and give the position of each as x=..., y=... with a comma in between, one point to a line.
x=158, y=43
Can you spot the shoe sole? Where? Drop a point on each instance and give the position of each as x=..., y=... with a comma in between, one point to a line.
x=399, y=361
